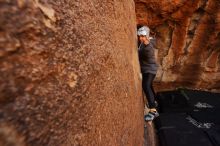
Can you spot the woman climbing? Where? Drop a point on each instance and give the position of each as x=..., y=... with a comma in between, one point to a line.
x=149, y=68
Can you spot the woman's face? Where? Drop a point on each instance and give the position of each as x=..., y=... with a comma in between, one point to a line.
x=143, y=39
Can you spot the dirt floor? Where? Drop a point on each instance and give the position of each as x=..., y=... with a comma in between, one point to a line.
x=150, y=136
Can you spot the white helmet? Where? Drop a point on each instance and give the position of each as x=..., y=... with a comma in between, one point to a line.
x=144, y=30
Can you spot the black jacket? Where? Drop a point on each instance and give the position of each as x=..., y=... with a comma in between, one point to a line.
x=147, y=58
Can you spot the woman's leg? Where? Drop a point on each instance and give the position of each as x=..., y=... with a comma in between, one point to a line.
x=148, y=90
x=152, y=88
x=155, y=97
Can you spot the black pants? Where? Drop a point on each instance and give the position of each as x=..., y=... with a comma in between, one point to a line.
x=147, y=85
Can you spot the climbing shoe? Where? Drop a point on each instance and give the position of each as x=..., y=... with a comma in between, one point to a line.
x=151, y=115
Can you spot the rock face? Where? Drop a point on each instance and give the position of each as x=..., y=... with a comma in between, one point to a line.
x=70, y=73
x=188, y=40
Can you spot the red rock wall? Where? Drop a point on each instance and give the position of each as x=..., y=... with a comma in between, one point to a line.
x=69, y=74
x=188, y=40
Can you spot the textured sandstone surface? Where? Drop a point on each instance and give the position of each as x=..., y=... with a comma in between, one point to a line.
x=69, y=74
x=188, y=40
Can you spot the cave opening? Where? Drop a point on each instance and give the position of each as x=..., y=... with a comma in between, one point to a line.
x=187, y=81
